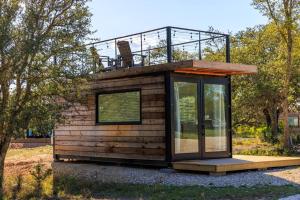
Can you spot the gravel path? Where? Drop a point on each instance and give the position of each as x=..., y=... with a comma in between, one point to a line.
x=294, y=197
x=121, y=174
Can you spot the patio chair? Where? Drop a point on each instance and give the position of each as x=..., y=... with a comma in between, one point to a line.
x=97, y=60
x=126, y=55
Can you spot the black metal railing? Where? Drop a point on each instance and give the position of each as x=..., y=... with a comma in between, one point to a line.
x=163, y=45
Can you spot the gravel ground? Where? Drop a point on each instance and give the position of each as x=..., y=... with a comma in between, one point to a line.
x=294, y=197
x=121, y=174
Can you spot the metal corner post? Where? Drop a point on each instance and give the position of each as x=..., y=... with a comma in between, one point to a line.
x=227, y=48
x=229, y=97
x=169, y=44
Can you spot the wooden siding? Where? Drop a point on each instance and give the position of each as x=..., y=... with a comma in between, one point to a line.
x=79, y=136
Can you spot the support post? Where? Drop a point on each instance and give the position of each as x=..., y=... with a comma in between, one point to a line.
x=116, y=52
x=227, y=49
x=169, y=44
x=199, y=47
x=229, y=96
x=142, y=59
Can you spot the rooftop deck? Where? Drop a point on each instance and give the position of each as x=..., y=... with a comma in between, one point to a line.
x=187, y=67
x=162, y=45
x=237, y=163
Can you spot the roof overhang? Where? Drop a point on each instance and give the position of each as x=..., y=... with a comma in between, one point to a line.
x=199, y=67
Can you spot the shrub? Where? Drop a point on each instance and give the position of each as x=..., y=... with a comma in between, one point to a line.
x=40, y=174
x=16, y=189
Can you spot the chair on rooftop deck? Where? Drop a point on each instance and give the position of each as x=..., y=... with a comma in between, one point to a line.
x=97, y=60
x=126, y=55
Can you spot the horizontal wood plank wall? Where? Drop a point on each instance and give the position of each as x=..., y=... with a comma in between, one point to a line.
x=79, y=136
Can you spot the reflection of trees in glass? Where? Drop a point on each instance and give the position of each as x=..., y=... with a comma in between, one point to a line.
x=215, y=118
x=186, y=117
x=188, y=108
x=212, y=95
x=119, y=107
x=214, y=98
x=187, y=101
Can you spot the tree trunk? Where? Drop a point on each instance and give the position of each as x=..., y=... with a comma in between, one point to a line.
x=286, y=131
x=4, y=147
x=1, y=177
x=274, y=125
x=267, y=117
x=286, y=88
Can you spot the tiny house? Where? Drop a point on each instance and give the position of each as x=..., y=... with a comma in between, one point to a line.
x=169, y=104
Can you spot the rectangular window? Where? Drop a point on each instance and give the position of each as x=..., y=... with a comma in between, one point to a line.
x=119, y=107
x=293, y=121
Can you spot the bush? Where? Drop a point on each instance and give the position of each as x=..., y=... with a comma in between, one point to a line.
x=262, y=132
x=40, y=174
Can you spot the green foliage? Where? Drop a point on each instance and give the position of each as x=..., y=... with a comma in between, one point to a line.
x=39, y=175
x=41, y=46
x=257, y=99
x=262, y=132
x=285, y=15
x=245, y=132
x=17, y=187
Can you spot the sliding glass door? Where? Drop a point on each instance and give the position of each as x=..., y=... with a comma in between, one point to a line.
x=199, y=117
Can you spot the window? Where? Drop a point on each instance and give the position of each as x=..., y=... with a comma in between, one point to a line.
x=119, y=107
x=293, y=121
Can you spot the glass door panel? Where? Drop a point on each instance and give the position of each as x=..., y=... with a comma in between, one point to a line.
x=185, y=117
x=215, y=127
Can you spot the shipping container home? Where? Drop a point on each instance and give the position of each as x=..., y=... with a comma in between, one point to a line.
x=154, y=103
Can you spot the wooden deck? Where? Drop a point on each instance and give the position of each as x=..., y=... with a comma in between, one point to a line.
x=237, y=163
x=199, y=67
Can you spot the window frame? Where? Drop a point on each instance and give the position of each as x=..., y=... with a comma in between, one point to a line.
x=118, y=122
x=201, y=80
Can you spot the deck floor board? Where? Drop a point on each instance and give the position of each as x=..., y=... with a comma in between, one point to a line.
x=236, y=163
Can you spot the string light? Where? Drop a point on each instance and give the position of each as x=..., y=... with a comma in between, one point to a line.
x=158, y=35
x=174, y=33
x=144, y=37
x=131, y=40
x=107, y=45
x=191, y=35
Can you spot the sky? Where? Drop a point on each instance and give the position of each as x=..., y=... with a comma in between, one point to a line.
x=112, y=18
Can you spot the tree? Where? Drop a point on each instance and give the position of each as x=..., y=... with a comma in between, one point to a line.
x=257, y=99
x=41, y=47
x=286, y=15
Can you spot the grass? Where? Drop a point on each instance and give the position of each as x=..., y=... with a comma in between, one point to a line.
x=72, y=188
x=24, y=153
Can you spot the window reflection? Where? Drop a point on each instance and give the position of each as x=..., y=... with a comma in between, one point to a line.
x=215, y=119
x=186, y=117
